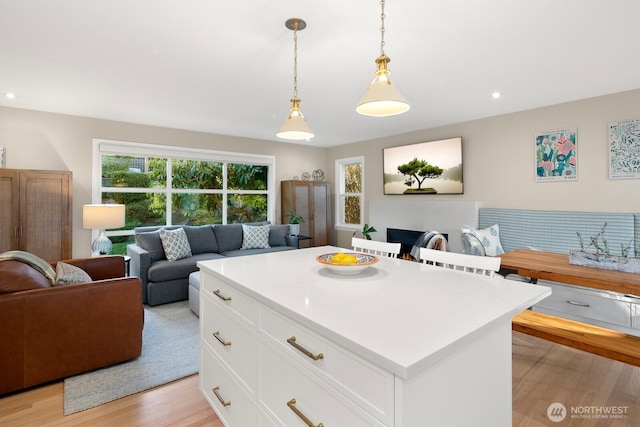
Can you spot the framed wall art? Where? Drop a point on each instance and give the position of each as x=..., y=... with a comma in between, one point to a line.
x=557, y=155
x=433, y=167
x=624, y=149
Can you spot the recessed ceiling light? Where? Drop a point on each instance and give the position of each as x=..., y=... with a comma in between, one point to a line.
x=10, y=95
x=496, y=95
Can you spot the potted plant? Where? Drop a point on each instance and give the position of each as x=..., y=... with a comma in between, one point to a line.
x=366, y=231
x=602, y=257
x=294, y=222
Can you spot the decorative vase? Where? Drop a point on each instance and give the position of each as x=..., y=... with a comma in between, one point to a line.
x=607, y=262
x=294, y=229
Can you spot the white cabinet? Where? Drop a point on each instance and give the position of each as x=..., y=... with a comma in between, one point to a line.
x=355, y=378
x=266, y=363
x=234, y=406
x=287, y=343
x=294, y=396
x=593, y=306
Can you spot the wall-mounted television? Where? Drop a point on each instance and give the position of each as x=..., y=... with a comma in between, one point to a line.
x=433, y=167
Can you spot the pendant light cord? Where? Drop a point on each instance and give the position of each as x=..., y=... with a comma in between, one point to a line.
x=382, y=16
x=295, y=59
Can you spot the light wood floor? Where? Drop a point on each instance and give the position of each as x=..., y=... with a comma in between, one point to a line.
x=543, y=373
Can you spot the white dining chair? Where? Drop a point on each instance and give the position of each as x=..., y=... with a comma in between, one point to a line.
x=374, y=247
x=484, y=265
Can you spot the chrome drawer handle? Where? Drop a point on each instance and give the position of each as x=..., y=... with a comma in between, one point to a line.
x=292, y=405
x=303, y=350
x=217, y=393
x=216, y=334
x=222, y=297
x=579, y=304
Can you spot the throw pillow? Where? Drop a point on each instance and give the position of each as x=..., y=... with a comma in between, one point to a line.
x=255, y=236
x=175, y=244
x=151, y=242
x=201, y=239
x=67, y=274
x=34, y=261
x=278, y=235
x=489, y=237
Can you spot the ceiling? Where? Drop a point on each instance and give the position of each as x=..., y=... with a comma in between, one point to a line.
x=226, y=67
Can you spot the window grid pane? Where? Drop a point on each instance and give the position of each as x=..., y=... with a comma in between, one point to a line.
x=352, y=210
x=196, y=174
x=353, y=178
x=148, y=201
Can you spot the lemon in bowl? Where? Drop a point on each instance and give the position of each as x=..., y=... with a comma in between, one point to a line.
x=347, y=262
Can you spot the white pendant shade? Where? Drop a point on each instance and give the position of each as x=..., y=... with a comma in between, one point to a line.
x=295, y=126
x=382, y=98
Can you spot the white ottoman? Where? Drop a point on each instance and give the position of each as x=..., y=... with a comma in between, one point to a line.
x=194, y=292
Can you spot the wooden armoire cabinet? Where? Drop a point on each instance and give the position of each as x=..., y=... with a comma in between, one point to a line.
x=36, y=212
x=312, y=201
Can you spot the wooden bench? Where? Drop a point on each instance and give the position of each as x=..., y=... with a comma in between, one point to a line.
x=593, y=339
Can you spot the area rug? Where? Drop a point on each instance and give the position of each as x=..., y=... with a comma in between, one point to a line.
x=170, y=351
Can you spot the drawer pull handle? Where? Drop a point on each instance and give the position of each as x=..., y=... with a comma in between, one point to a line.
x=579, y=304
x=303, y=350
x=216, y=334
x=219, y=295
x=292, y=405
x=216, y=391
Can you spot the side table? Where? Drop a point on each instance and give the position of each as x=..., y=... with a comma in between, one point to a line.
x=301, y=237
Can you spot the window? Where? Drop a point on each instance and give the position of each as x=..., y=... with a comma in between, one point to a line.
x=163, y=185
x=350, y=203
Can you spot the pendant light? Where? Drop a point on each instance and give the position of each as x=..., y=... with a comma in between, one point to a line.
x=295, y=126
x=382, y=98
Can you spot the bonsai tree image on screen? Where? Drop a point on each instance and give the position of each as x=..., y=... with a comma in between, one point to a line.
x=419, y=170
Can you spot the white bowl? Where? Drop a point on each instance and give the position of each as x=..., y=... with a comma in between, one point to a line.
x=363, y=261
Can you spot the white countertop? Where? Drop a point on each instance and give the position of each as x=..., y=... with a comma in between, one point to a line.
x=401, y=315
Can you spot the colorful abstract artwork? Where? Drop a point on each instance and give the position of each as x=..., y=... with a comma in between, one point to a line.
x=624, y=149
x=556, y=155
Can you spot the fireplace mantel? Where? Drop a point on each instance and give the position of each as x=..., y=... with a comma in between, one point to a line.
x=443, y=216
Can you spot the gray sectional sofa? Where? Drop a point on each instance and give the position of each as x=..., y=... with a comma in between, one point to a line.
x=165, y=281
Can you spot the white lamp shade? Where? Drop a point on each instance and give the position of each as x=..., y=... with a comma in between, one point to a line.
x=295, y=126
x=382, y=98
x=102, y=217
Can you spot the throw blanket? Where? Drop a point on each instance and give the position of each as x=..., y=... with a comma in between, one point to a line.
x=430, y=239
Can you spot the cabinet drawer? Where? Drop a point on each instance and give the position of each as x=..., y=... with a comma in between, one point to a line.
x=232, y=405
x=596, y=305
x=364, y=383
x=230, y=340
x=283, y=383
x=236, y=301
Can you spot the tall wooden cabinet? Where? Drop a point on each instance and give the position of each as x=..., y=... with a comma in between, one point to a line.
x=36, y=212
x=312, y=201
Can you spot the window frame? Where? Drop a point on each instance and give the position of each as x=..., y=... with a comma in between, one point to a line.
x=114, y=147
x=340, y=165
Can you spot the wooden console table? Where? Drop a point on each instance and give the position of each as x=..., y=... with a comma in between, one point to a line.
x=555, y=267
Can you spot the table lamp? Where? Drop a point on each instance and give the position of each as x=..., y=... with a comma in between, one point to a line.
x=102, y=217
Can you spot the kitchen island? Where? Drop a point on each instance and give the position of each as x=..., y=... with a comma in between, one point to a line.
x=286, y=341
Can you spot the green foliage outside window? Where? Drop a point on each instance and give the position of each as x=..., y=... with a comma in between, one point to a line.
x=193, y=208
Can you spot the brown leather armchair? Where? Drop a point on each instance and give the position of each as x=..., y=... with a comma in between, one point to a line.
x=52, y=332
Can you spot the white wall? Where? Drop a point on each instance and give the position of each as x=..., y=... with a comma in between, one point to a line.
x=499, y=159
x=498, y=156
x=38, y=140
